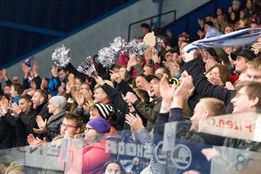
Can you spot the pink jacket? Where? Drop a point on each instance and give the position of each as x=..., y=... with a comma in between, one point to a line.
x=90, y=162
x=94, y=157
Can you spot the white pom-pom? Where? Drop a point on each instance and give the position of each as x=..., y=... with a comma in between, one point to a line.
x=107, y=56
x=61, y=56
x=118, y=44
x=136, y=47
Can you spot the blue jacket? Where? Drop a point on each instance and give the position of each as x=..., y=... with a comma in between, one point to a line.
x=53, y=86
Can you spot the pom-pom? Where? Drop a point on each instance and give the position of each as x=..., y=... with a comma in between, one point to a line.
x=118, y=45
x=61, y=56
x=107, y=56
x=136, y=47
x=88, y=67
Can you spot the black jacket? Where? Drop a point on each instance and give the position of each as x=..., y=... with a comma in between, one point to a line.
x=53, y=125
x=43, y=111
x=206, y=89
x=7, y=133
x=24, y=126
x=121, y=106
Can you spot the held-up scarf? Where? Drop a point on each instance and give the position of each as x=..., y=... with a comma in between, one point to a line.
x=234, y=39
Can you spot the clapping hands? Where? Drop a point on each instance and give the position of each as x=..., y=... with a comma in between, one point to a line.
x=41, y=124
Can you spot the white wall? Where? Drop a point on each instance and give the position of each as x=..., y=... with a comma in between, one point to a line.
x=90, y=40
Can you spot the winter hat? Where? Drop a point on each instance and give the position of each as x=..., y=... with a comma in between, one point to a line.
x=101, y=125
x=247, y=53
x=104, y=110
x=58, y=101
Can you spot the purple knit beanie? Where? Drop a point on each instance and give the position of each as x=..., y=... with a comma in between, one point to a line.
x=101, y=125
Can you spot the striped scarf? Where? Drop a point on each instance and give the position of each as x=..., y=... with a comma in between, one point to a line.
x=234, y=39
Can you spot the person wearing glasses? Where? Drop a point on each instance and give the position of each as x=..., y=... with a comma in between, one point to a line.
x=71, y=128
x=92, y=156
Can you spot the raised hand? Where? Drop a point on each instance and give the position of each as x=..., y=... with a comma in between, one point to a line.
x=115, y=76
x=130, y=97
x=4, y=105
x=36, y=69
x=201, y=22
x=185, y=89
x=87, y=94
x=135, y=122
x=25, y=70
x=132, y=61
x=86, y=107
x=230, y=86
x=99, y=80
x=183, y=92
x=32, y=141
x=60, y=88
x=155, y=57
x=69, y=86
x=166, y=90
x=79, y=98
x=213, y=78
x=54, y=71
x=41, y=124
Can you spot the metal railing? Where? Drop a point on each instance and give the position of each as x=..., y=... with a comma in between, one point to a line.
x=151, y=20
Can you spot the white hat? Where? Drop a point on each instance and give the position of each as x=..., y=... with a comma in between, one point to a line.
x=58, y=101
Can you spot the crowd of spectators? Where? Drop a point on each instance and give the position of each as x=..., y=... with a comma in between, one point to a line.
x=140, y=93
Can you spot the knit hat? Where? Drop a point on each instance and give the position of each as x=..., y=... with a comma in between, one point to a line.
x=104, y=110
x=58, y=101
x=101, y=125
